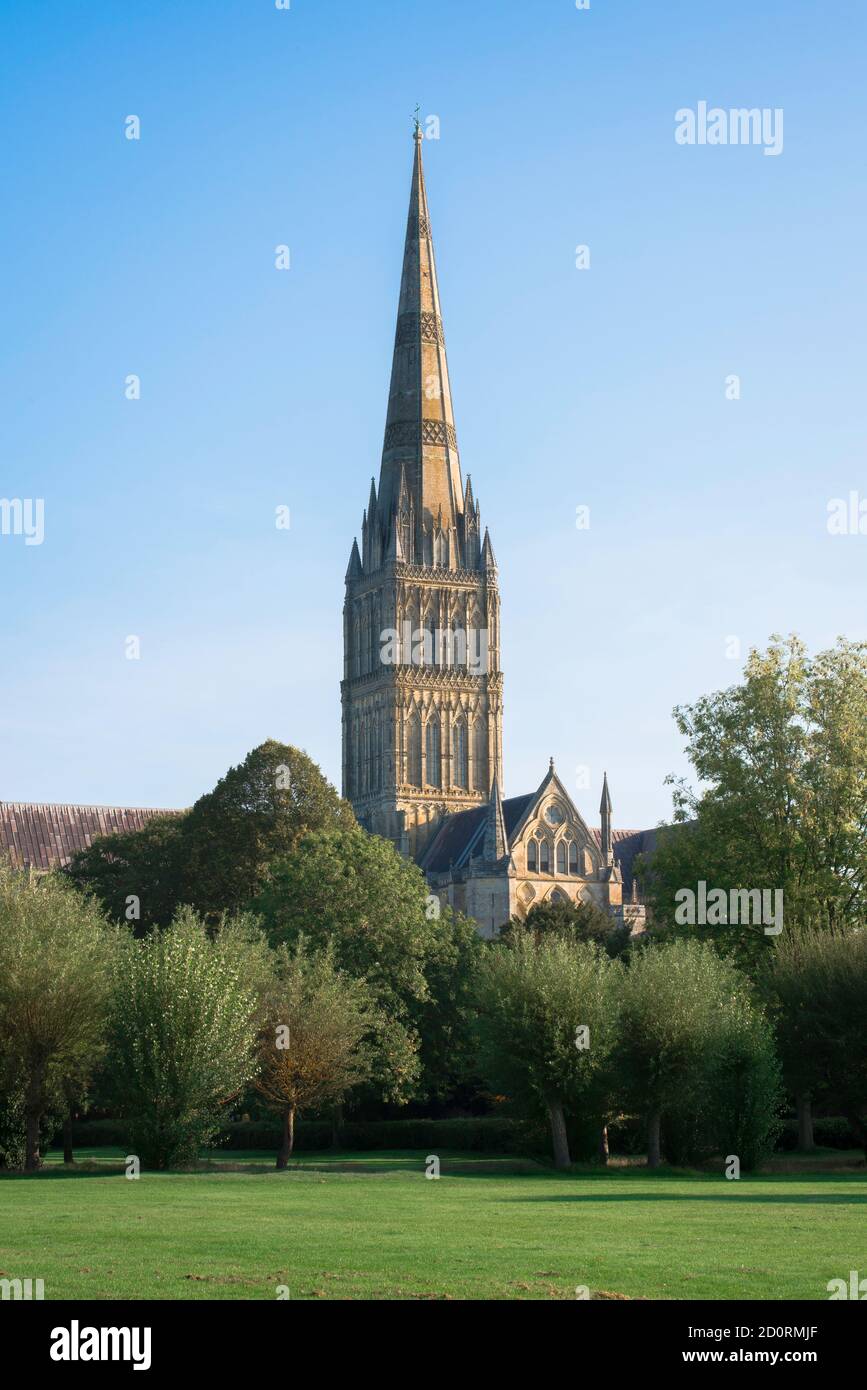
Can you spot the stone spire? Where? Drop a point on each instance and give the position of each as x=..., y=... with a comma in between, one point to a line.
x=495, y=844
x=420, y=427
x=605, y=811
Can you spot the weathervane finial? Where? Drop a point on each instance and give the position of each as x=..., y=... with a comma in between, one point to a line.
x=417, y=122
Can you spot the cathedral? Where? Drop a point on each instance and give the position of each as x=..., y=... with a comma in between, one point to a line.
x=422, y=690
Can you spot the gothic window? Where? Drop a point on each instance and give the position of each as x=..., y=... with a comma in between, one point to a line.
x=480, y=756
x=532, y=860
x=432, y=750
x=413, y=747
x=459, y=754
x=561, y=857
x=408, y=635
x=373, y=657
x=405, y=533
x=573, y=858
x=375, y=754
x=544, y=858
x=429, y=626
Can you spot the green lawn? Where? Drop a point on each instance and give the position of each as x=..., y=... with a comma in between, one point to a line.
x=373, y=1226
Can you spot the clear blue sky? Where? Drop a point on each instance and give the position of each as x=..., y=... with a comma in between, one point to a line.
x=603, y=387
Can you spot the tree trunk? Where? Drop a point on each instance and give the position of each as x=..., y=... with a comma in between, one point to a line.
x=805, y=1122
x=559, y=1138
x=654, y=1146
x=68, y=1155
x=33, y=1114
x=337, y=1127
x=603, y=1144
x=288, y=1141
x=32, y=1160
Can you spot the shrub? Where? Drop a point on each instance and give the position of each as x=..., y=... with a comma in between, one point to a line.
x=183, y=1029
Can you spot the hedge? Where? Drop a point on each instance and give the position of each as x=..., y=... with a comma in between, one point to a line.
x=489, y=1134
x=832, y=1132
x=478, y=1135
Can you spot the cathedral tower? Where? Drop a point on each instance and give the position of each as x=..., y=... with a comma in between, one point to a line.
x=422, y=686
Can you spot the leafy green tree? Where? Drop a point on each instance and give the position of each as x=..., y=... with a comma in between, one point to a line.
x=782, y=763
x=675, y=1000
x=743, y=1090
x=579, y=921
x=137, y=876
x=315, y=1045
x=547, y=1026
x=445, y=1018
x=819, y=982
x=214, y=857
x=732, y=1109
x=182, y=1038
x=258, y=811
x=355, y=892
x=55, y=960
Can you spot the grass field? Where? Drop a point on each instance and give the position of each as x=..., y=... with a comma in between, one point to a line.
x=373, y=1226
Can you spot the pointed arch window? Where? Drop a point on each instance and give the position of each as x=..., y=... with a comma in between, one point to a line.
x=432, y=751
x=573, y=858
x=544, y=858
x=480, y=756
x=413, y=751
x=459, y=754
x=409, y=649
x=561, y=857
x=532, y=857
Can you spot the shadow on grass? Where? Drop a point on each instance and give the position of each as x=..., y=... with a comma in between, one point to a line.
x=264, y=1164
x=722, y=1194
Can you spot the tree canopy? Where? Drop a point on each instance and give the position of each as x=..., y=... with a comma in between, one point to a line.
x=781, y=760
x=215, y=856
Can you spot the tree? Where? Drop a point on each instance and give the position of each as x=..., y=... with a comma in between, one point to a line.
x=182, y=1038
x=258, y=811
x=445, y=1018
x=315, y=1045
x=742, y=1092
x=547, y=1026
x=782, y=759
x=675, y=1000
x=580, y=921
x=819, y=982
x=215, y=856
x=55, y=959
x=356, y=892
x=137, y=876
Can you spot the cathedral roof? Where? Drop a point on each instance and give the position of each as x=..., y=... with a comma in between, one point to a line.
x=462, y=835
x=41, y=835
x=460, y=838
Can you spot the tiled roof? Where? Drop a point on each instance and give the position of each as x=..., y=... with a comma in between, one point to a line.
x=627, y=844
x=41, y=835
x=460, y=836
